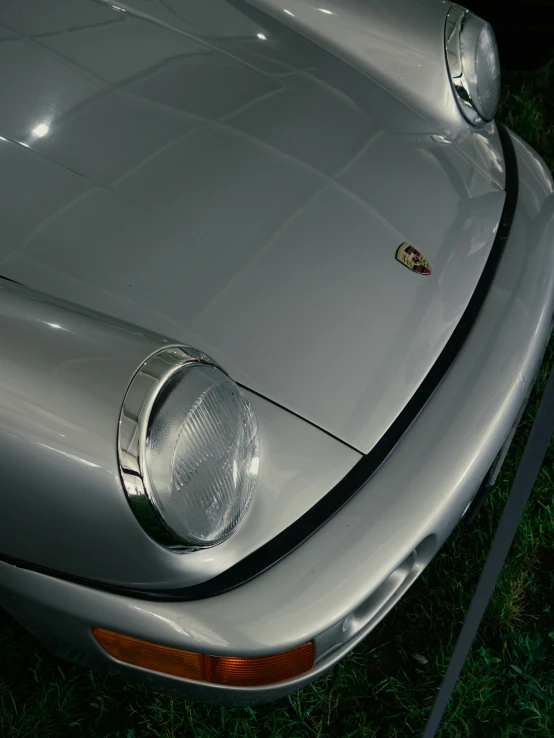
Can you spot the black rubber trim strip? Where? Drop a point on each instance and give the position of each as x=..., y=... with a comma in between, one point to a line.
x=312, y=520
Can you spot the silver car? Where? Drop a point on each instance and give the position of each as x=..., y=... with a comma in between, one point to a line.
x=274, y=289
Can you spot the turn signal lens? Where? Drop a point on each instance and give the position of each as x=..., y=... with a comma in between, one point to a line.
x=277, y=667
x=231, y=670
x=152, y=656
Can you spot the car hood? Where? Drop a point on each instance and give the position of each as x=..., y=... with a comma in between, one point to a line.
x=243, y=190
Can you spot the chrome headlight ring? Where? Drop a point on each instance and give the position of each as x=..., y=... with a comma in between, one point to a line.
x=473, y=64
x=165, y=445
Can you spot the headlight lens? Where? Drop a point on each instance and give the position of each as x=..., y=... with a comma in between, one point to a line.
x=202, y=454
x=196, y=446
x=473, y=64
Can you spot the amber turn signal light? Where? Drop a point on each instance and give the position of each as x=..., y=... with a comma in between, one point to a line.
x=232, y=670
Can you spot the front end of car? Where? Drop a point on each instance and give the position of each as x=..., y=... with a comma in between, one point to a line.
x=169, y=522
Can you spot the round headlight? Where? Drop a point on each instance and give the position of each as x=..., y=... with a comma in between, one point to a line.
x=473, y=64
x=188, y=449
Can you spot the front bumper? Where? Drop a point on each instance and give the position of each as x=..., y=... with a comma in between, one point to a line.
x=341, y=582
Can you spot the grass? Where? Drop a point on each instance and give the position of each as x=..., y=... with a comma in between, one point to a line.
x=386, y=687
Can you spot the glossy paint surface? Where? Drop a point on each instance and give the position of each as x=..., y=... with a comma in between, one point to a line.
x=450, y=446
x=208, y=173
x=397, y=44
x=63, y=377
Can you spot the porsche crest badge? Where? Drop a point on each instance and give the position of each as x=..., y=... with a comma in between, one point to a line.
x=411, y=258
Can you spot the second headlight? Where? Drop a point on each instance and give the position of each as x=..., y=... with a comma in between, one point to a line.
x=473, y=64
x=188, y=449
